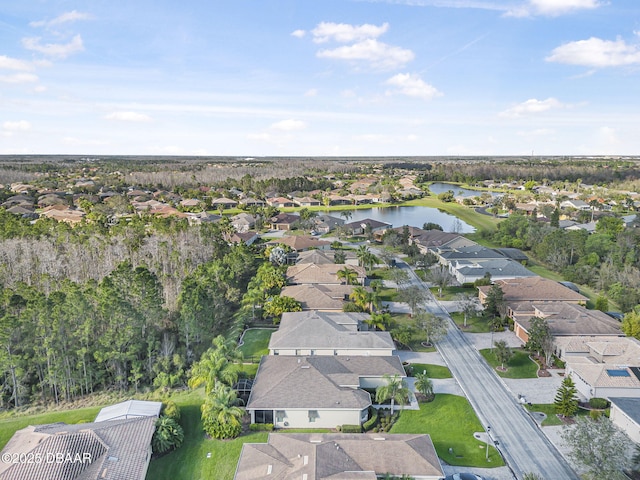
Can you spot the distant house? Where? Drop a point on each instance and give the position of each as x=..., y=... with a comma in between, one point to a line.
x=329, y=390
x=339, y=456
x=280, y=202
x=202, y=217
x=327, y=274
x=223, y=203
x=306, y=201
x=577, y=204
x=106, y=450
x=243, y=222
x=340, y=200
x=301, y=243
x=190, y=203
x=324, y=257
x=252, y=202
x=432, y=240
x=284, y=221
x=471, y=253
x=520, y=292
x=326, y=223
x=359, y=227
x=325, y=333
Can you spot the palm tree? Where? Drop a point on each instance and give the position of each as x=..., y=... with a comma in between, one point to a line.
x=216, y=365
x=380, y=321
x=424, y=385
x=349, y=275
x=395, y=390
x=221, y=415
x=346, y=214
x=363, y=253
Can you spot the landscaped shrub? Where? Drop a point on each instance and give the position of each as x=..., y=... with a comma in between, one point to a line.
x=351, y=429
x=369, y=424
x=595, y=414
x=597, y=402
x=168, y=435
x=261, y=427
x=171, y=410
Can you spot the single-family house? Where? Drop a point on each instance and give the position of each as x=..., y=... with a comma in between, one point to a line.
x=284, y=221
x=625, y=414
x=326, y=223
x=602, y=367
x=471, y=253
x=326, y=298
x=252, y=202
x=339, y=456
x=576, y=204
x=243, y=222
x=306, y=201
x=326, y=333
x=248, y=238
x=468, y=271
x=359, y=227
x=280, y=202
x=324, y=257
x=329, y=390
x=327, y=274
x=223, y=203
x=565, y=319
x=302, y=243
x=432, y=240
x=106, y=450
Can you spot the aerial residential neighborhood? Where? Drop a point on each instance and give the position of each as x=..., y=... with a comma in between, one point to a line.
x=216, y=333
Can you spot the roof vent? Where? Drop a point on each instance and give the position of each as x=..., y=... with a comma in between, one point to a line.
x=112, y=459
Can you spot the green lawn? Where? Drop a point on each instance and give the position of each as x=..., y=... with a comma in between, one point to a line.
x=9, y=425
x=190, y=460
x=474, y=324
x=549, y=409
x=451, y=423
x=256, y=342
x=520, y=365
x=449, y=293
x=466, y=214
x=418, y=338
x=433, y=371
x=387, y=294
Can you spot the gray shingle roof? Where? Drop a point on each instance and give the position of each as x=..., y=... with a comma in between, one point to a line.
x=316, y=332
x=629, y=406
x=317, y=381
x=114, y=449
x=339, y=457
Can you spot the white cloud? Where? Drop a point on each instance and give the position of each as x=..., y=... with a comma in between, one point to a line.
x=19, y=78
x=128, y=117
x=346, y=33
x=412, y=85
x=56, y=50
x=298, y=33
x=377, y=54
x=17, y=126
x=596, y=52
x=560, y=7
x=312, y=92
x=289, y=125
x=66, y=17
x=9, y=63
x=531, y=106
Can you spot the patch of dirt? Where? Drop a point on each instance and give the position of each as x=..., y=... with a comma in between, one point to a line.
x=544, y=373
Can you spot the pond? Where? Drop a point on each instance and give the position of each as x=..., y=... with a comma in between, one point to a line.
x=413, y=216
x=438, y=188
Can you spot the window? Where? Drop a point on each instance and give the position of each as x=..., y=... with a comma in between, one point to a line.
x=264, y=416
x=280, y=414
x=313, y=415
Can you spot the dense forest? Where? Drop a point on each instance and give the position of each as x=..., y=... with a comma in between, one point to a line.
x=81, y=312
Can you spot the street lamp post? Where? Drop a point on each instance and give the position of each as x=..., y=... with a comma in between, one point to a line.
x=488, y=438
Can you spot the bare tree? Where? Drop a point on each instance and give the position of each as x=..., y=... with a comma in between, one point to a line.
x=441, y=277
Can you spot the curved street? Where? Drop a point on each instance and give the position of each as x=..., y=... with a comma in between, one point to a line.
x=521, y=442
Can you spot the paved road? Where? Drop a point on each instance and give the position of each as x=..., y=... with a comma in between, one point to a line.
x=521, y=442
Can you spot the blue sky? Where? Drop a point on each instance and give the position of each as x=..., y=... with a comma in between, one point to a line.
x=330, y=77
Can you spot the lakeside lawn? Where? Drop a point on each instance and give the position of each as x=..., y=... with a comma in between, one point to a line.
x=520, y=365
x=466, y=214
x=474, y=324
x=451, y=423
x=433, y=371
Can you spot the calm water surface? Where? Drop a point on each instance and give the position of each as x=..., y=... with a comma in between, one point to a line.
x=439, y=188
x=412, y=216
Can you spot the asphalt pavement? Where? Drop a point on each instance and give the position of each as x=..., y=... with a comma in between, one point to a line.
x=518, y=438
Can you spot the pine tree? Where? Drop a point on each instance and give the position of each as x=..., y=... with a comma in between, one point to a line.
x=566, y=400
